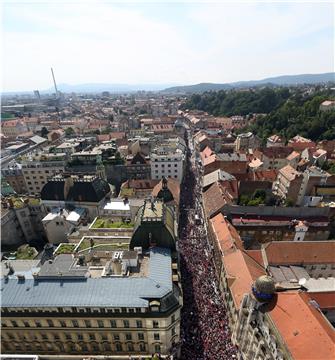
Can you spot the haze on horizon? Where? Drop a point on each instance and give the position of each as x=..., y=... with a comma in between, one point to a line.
x=171, y=43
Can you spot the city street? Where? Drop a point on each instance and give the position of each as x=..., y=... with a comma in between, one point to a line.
x=204, y=326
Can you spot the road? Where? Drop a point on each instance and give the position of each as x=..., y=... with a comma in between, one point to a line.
x=204, y=326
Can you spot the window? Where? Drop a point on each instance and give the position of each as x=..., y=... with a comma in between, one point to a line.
x=68, y=337
x=156, y=336
x=95, y=347
x=50, y=323
x=44, y=337
x=113, y=324
x=126, y=323
x=155, y=324
x=130, y=347
x=140, y=336
x=100, y=323
x=26, y=324
x=107, y=347
x=87, y=323
x=56, y=337
x=80, y=337
x=142, y=347
x=157, y=348
x=92, y=336
x=103, y=337
x=116, y=337
x=75, y=323
x=139, y=323
x=62, y=323
x=118, y=347
x=14, y=323
x=131, y=310
x=84, y=347
x=128, y=336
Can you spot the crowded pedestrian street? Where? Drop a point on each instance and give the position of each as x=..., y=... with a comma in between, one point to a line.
x=205, y=332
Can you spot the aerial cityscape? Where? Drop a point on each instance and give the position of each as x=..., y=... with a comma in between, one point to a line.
x=155, y=207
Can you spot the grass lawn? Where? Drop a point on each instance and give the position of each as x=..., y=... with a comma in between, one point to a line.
x=102, y=223
x=65, y=249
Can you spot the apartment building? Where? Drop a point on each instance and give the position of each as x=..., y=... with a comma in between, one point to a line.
x=14, y=176
x=168, y=163
x=278, y=298
x=273, y=157
x=247, y=141
x=39, y=168
x=288, y=183
x=117, y=303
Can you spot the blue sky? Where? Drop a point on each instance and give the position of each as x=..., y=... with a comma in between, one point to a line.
x=171, y=42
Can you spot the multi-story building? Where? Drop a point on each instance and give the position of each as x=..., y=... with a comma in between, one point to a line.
x=247, y=141
x=13, y=128
x=273, y=157
x=278, y=298
x=232, y=163
x=13, y=174
x=38, y=169
x=76, y=191
x=288, y=183
x=117, y=303
x=138, y=166
x=21, y=220
x=168, y=163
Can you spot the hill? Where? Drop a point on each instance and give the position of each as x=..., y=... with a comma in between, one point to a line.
x=289, y=80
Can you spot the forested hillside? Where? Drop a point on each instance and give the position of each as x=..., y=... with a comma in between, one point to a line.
x=288, y=112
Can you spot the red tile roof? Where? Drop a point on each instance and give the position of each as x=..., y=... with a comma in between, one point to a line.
x=305, y=331
x=305, y=252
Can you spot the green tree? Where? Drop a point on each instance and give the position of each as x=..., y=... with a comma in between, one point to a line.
x=69, y=131
x=44, y=132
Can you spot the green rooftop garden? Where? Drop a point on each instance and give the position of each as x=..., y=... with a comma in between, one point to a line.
x=106, y=223
x=65, y=249
x=25, y=252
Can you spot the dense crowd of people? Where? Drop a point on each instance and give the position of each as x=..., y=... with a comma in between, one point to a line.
x=204, y=325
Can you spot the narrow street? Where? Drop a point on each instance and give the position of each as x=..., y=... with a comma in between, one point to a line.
x=204, y=326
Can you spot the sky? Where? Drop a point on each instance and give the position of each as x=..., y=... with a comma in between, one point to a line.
x=171, y=42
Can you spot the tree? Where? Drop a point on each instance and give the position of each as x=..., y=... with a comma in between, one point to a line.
x=44, y=132
x=69, y=131
x=289, y=202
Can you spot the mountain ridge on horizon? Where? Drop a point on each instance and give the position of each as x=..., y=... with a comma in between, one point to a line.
x=281, y=80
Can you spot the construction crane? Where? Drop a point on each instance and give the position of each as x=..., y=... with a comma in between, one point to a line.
x=57, y=96
x=53, y=77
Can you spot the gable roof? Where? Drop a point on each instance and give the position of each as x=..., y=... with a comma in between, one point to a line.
x=293, y=252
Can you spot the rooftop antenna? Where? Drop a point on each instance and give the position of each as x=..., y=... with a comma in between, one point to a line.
x=53, y=77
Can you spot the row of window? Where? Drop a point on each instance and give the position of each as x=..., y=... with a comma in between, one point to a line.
x=84, y=347
x=168, y=165
x=80, y=336
x=162, y=171
x=168, y=159
x=88, y=323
